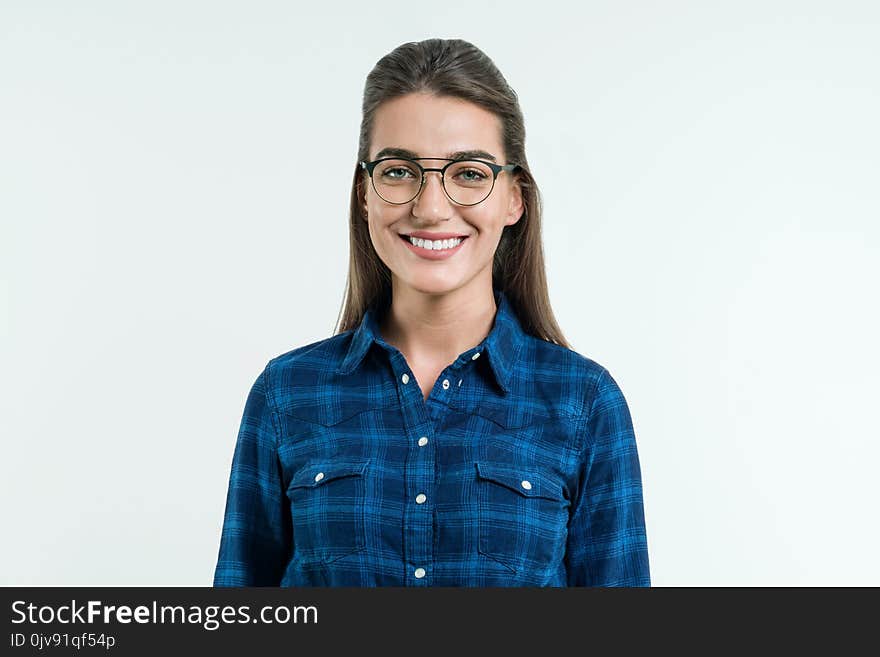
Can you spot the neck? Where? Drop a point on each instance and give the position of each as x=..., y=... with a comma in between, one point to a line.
x=430, y=328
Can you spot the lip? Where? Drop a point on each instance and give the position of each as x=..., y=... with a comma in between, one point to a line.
x=430, y=254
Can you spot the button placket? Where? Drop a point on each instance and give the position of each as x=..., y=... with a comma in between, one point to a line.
x=418, y=530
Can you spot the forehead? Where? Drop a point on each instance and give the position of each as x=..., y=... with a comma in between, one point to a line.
x=435, y=126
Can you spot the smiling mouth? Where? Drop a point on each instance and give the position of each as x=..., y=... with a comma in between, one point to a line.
x=406, y=239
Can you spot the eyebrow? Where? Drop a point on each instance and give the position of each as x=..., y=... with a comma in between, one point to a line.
x=393, y=151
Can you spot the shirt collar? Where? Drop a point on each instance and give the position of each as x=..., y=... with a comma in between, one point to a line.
x=501, y=345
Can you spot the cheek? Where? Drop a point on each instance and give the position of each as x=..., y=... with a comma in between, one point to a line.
x=487, y=222
x=381, y=231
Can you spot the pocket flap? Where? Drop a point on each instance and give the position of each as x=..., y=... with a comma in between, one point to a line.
x=320, y=471
x=527, y=482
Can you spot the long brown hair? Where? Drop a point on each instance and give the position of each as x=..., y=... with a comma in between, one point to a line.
x=452, y=68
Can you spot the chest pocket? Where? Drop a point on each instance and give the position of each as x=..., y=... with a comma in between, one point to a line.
x=523, y=516
x=327, y=501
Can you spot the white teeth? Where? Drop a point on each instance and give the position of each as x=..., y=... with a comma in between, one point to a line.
x=436, y=245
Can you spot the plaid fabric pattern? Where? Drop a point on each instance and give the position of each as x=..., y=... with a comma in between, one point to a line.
x=520, y=469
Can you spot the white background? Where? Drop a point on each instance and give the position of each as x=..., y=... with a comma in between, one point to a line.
x=174, y=188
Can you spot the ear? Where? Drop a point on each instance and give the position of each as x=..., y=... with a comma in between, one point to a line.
x=515, y=205
x=363, y=199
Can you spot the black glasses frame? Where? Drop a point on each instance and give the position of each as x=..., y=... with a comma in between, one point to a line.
x=496, y=169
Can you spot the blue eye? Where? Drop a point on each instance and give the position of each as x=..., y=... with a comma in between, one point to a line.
x=479, y=175
x=396, y=173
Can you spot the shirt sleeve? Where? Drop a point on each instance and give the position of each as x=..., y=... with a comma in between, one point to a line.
x=256, y=539
x=607, y=543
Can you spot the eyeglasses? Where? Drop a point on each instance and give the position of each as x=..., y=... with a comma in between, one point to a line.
x=399, y=180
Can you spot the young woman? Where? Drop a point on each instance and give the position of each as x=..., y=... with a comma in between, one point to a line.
x=446, y=435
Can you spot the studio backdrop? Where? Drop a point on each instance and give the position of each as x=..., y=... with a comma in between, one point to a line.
x=174, y=191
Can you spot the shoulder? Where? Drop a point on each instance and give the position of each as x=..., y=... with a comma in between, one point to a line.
x=603, y=420
x=576, y=377
x=321, y=355
x=304, y=383
x=307, y=363
x=327, y=353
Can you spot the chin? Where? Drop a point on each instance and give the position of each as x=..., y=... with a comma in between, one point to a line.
x=430, y=285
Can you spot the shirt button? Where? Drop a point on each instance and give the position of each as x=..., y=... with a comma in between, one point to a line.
x=526, y=484
x=445, y=383
x=475, y=356
x=420, y=498
x=419, y=573
x=405, y=378
x=423, y=441
x=319, y=476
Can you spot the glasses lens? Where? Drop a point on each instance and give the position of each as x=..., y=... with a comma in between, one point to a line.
x=397, y=181
x=469, y=181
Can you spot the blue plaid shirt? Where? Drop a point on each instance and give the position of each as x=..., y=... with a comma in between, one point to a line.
x=520, y=469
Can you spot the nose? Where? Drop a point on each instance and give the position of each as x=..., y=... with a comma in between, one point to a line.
x=432, y=199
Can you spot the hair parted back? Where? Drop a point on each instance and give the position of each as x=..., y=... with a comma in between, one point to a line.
x=452, y=68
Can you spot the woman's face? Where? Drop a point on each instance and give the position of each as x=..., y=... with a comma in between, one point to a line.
x=437, y=127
